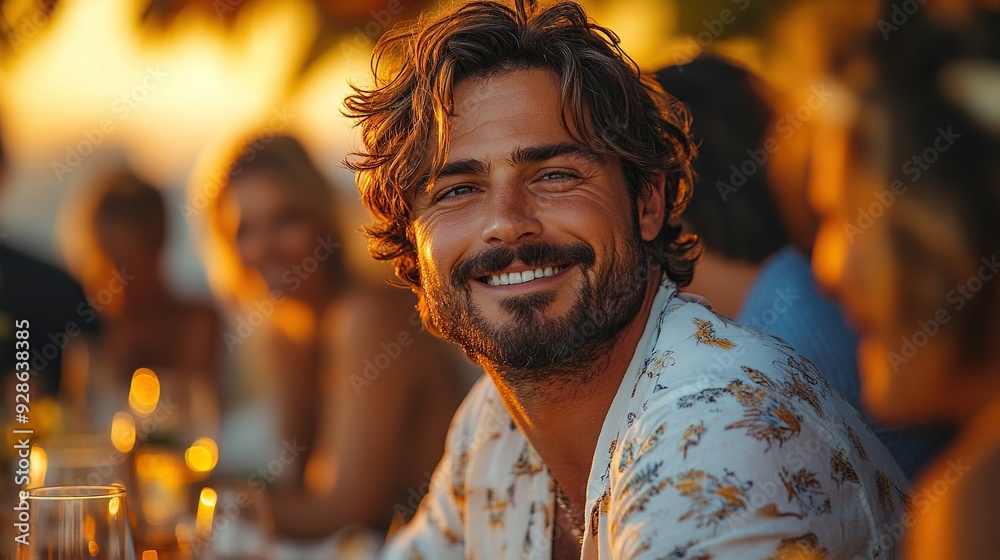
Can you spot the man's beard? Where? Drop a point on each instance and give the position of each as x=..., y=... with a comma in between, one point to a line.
x=531, y=348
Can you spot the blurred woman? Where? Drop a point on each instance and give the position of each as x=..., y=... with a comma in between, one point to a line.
x=912, y=244
x=118, y=258
x=365, y=396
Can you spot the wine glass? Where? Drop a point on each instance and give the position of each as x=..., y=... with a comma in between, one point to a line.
x=78, y=459
x=71, y=523
x=233, y=521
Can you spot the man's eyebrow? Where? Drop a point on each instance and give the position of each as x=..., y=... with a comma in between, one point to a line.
x=464, y=167
x=536, y=154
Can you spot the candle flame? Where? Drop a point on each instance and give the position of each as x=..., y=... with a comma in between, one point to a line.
x=38, y=467
x=206, y=510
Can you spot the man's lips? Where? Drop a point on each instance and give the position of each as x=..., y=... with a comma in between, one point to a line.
x=521, y=274
x=507, y=266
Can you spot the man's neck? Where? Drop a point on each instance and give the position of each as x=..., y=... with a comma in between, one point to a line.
x=562, y=421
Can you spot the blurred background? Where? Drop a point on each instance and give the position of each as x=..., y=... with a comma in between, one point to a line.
x=169, y=79
x=187, y=93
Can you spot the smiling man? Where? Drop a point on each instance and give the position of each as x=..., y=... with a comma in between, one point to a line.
x=527, y=183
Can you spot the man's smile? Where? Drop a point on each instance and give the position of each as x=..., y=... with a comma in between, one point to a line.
x=520, y=274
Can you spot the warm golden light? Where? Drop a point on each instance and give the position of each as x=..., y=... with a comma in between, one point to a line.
x=208, y=497
x=149, y=555
x=184, y=538
x=39, y=465
x=829, y=256
x=89, y=527
x=188, y=83
x=206, y=510
x=144, y=394
x=202, y=456
x=161, y=478
x=90, y=533
x=48, y=416
x=113, y=506
x=123, y=432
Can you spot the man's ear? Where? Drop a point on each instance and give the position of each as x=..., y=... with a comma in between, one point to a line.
x=651, y=207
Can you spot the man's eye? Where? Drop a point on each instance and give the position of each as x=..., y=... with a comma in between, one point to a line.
x=557, y=175
x=456, y=191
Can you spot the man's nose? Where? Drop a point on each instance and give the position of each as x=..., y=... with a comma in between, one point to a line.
x=512, y=217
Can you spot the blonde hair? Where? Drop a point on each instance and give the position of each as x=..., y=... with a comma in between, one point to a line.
x=285, y=159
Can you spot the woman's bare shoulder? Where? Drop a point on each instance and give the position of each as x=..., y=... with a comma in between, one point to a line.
x=372, y=309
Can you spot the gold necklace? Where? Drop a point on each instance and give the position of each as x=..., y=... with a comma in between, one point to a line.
x=576, y=529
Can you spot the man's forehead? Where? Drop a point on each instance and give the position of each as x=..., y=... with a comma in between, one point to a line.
x=520, y=107
x=474, y=92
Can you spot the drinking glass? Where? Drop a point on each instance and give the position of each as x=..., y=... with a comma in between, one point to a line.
x=72, y=523
x=233, y=523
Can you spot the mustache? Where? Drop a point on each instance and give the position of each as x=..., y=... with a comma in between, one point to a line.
x=538, y=253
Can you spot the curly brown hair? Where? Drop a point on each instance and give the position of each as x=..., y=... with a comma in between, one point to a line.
x=404, y=117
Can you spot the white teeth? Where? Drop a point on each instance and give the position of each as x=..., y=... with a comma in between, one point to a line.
x=505, y=278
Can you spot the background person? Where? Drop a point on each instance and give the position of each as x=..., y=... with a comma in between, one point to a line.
x=50, y=300
x=118, y=256
x=359, y=386
x=920, y=280
x=749, y=269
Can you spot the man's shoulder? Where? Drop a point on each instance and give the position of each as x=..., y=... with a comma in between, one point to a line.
x=710, y=346
x=720, y=410
x=715, y=369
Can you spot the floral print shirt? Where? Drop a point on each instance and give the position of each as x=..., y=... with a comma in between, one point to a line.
x=722, y=442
